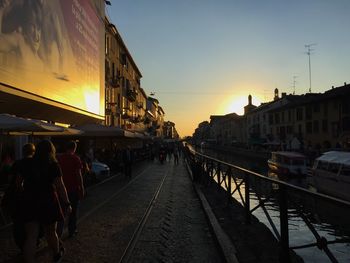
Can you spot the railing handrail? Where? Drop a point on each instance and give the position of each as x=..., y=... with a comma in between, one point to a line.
x=291, y=186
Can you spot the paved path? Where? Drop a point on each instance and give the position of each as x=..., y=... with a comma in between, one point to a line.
x=177, y=229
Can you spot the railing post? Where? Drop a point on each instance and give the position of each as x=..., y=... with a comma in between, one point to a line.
x=247, y=199
x=284, y=242
x=219, y=173
x=229, y=174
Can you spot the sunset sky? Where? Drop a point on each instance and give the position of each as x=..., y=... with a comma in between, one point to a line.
x=204, y=57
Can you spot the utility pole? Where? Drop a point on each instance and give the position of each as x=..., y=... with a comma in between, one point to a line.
x=308, y=52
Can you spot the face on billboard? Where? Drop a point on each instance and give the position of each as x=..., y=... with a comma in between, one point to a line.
x=54, y=49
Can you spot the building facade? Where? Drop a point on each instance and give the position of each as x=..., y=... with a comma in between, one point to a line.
x=313, y=121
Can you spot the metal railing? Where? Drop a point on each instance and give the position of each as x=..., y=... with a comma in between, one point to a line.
x=234, y=179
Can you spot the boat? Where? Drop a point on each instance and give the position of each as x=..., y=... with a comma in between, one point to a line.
x=331, y=174
x=288, y=163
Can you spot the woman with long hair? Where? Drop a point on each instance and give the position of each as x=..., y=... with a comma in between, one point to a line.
x=42, y=188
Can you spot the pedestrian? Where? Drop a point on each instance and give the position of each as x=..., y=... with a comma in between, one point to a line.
x=18, y=168
x=41, y=181
x=71, y=166
x=7, y=161
x=176, y=155
x=127, y=161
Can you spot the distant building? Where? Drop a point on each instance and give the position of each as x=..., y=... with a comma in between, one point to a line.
x=313, y=121
x=169, y=130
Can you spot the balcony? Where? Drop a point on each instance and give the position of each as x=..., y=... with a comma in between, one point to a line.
x=138, y=119
x=131, y=94
x=114, y=82
x=126, y=116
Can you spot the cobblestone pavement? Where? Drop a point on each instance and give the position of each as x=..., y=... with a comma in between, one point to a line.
x=177, y=229
x=175, y=232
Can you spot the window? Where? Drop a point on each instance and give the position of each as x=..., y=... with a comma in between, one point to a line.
x=277, y=118
x=289, y=115
x=299, y=114
x=325, y=109
x=270, y=119
x=297, y=162
x=308, y=113
x=345, y=106
x=107, y=44
x=325, y=125
x=300, y=129
x=113, y=70
x=317, y=107
x=309, y=127
x=282, y=116
x=315, y=127
x=335, y=105
x=333, y=167
x=345, y=170
x=335, y=129
x=346, y=124
x=322, y=165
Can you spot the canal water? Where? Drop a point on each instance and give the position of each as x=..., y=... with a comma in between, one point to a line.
x=331, y=222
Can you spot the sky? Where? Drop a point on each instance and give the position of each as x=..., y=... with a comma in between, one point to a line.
x=204, y=57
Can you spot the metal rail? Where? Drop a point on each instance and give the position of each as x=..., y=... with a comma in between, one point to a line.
x=136, y=235
x=208, y=170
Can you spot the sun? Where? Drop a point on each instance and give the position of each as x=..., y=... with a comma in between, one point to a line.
x=237, y=104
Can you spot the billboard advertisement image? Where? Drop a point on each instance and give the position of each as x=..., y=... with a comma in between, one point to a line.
x=54, y=49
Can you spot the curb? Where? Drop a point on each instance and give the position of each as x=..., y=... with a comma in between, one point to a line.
x=227, y=247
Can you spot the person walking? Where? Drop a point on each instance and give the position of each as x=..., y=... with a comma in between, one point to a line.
x=127, y=161
x=18, y=168
x=176, y=155
x=41, y=181
x=71, y=166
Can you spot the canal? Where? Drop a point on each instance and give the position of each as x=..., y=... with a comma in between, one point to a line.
x=332, y=223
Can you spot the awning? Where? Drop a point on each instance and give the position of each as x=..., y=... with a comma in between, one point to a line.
x=98, y=130
x=10, y=123
x=65, y=132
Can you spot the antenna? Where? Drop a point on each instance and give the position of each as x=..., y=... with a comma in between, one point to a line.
x=308, y=52
x=294, y=82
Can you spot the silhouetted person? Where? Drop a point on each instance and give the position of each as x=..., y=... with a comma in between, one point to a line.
x=71, y=166
x=14, y=194
x=42, y=187
x=127, y=161
x=176, y=155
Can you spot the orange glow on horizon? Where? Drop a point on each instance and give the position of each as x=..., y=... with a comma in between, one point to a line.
x=236, y=104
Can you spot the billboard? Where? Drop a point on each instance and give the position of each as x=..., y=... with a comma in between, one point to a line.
x=54, y=49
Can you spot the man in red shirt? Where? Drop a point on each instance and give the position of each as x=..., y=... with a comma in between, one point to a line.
x=71, y=167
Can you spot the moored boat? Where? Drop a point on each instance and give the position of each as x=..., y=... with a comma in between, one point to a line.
x=288, y=163
x=331, y=174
